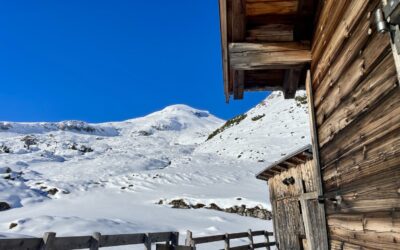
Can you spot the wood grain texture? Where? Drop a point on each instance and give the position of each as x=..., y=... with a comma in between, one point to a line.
x=255, y=56
x=357, y=104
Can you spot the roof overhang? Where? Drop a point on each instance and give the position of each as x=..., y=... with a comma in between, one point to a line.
x=265, y=45
x=295, y=158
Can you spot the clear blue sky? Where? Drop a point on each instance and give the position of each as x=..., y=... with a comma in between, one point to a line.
x=110, y=60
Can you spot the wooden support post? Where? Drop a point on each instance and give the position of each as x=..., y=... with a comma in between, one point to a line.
x=175, y=239
x=290, y=82
x=48, y=241
x=95, y=243
x=316, y=161
x=238, y=84
x=267, y=240
x=250, y=235
x=227, y=243
x=147, y=242
x=189, y=239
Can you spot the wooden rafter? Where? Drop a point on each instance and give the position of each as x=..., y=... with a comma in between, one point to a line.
x=263, y=36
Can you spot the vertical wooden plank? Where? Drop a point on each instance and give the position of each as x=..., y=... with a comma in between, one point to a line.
x=189, y=238
x=227, y=243
x=267, y=240
x=175, y=239
x=306, y=219
x=238, y=20
x=147, y=242
x=250, y=235
x=48, y=240
x=238, y=83
x=223, y=12
x=316, y=161
x=95, y=243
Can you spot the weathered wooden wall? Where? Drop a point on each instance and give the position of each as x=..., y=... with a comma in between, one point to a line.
x=288, y=211
x=357, y=106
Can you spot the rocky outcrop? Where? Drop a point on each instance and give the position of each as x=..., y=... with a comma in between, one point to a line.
x=243, y=210
x=4, y=206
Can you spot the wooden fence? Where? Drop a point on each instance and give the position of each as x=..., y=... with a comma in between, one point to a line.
x=169, y=240
x=94, y=242
x=191, y=241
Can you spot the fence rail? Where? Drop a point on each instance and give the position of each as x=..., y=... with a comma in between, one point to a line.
x=193, y=241
x=169, y=240
x=94, y=242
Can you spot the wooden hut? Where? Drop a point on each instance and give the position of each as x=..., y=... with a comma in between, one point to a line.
x=353, y=91
x=293, y=196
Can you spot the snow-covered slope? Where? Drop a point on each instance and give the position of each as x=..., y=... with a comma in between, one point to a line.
x=265, y=133
x=75, y=178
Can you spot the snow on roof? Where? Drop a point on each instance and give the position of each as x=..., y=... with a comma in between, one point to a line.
x=297, y=157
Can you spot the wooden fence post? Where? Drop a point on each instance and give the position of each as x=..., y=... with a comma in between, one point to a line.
x=251, y=239
x=189, y=239
x=147, y=242
x=227, y=243
x=48, y=241
x=175, y=239
x=267, y=239
x=95, y=243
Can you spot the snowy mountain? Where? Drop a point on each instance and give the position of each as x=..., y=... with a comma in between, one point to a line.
x=75, y=178
x=265, y=133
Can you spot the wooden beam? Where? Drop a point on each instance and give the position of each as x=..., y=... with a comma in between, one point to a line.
x=287, y=162
x=224, y=45
x=238, y=20
x=256, y=8
x=291, y=82
x=238, y=84
x=270, y=33
x=279, y=166
x=255, y=56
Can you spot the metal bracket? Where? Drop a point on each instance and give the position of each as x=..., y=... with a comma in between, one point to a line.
x=387, y=19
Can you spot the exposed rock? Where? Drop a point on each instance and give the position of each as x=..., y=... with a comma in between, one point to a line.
x=145, y=133
x=255, y=212
x=8, y=177
x=180, y=203
x=198, y=205
x=84, y=149
x=4, y=206
x=214, y=207
x=5, y=149
x=12, y=225
x=29, y=140
x=5, y=170
x=76, y=126
x=52, y=191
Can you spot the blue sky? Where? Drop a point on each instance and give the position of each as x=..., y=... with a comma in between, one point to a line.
x=110, y=60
